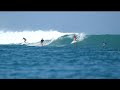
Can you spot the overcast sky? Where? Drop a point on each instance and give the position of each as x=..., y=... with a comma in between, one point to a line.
x=88, y=22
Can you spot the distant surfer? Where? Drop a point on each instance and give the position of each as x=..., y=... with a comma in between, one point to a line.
x=24, y=40
x=103, y=44
x=42, y=41
x=75, y=38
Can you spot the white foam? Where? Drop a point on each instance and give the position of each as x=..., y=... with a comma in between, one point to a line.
x=11, y=37
x=81, y=36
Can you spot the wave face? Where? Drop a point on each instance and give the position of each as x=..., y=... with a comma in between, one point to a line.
x=67, y=39
x=112, y=41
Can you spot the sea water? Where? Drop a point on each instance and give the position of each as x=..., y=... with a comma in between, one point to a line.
x=87, y=59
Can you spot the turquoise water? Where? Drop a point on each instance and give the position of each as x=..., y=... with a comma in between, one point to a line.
x=84, y=60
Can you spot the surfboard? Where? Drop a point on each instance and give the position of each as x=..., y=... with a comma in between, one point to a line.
x=23, y=43
x=73, y=41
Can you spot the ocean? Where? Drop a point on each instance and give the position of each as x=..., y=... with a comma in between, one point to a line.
x=59, y=59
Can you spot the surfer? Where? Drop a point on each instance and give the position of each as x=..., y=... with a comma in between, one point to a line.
x=42, y=41
x=103, y=44
x=24, y=39
x=74, y=40
x=75, y=37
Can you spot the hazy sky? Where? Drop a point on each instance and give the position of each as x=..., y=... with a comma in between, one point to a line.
x=88, y=22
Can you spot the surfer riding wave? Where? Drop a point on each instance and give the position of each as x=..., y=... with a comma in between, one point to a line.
x=75, y=38
x=42, y=41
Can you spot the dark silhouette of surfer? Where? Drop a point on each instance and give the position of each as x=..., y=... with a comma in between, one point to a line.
x=24, y=39
x=42, y=41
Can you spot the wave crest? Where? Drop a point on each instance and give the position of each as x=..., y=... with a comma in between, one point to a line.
x=53, y=36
